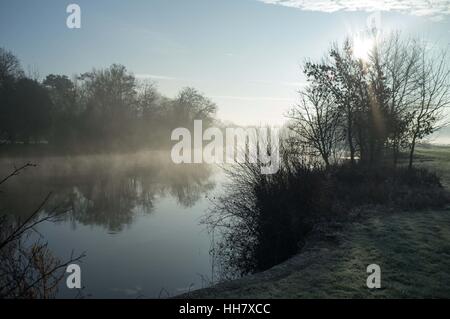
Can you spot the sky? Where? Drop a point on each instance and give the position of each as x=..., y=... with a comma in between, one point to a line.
x=246, y=55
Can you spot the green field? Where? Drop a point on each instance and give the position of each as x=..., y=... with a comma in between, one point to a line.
x=412, y=249
x=436, y=158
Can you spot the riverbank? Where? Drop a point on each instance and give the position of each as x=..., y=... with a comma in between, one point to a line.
x=412, y=248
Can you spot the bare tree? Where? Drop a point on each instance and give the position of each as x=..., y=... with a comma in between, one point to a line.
x=393, y=99
x=316, y=122
x=28, y=270
x=9, y=66
x=342, y=76
x=399, y=61
x=433, y=96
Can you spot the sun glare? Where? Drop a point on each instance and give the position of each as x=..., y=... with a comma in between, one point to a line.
x=362, y=47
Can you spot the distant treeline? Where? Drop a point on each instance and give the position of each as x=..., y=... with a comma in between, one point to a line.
x=106, y=109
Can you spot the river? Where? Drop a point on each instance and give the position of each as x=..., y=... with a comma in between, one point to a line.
x=136, y=216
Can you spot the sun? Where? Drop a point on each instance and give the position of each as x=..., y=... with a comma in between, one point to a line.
x=362, y=47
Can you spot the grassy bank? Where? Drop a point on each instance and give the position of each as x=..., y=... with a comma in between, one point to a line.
x=412, y=249
x=436, y=158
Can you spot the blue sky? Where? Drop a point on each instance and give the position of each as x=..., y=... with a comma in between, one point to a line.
x=244, y=54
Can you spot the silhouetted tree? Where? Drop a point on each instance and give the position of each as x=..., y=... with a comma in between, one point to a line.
x=10, y=72
x=10, y=68
x=316, y=123
x=28, y=270
x=32, y=111
x=390, y=100
x=104, y=109
x=191, y=105
x=65, y=111
x=433, y=91
x=400, y=62
x=340, y=75
x=110, y=104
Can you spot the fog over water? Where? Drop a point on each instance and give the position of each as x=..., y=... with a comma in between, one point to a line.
x=137, y=217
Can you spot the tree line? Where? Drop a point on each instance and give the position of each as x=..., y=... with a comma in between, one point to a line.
x=102, y=108
x=375, y=108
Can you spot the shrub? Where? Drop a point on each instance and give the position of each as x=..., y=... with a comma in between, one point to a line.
x=265, y=219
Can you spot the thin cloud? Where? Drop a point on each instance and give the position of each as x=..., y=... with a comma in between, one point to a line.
x=294, y=84
x=281, y=83
x=155, y=77
x=250, y=98
x=435, y=9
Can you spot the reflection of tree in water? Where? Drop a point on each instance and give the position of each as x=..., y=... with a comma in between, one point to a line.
x=106, y=202
x=187, y=186
x=110, y=195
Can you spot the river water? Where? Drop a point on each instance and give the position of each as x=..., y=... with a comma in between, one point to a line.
x=136, y=216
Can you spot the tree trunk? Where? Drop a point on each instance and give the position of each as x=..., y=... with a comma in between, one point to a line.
x=326, y=160
x=350, y=144
x=411, y=152
x=395, y=152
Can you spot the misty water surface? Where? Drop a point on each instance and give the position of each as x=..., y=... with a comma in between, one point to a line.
x=137, y=217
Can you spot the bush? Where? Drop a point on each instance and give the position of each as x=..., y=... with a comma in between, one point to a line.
x=268, y=217
x=400, y=188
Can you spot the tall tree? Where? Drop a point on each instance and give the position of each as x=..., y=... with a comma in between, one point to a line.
x=316, y=121
x=111, y=106
x=389, y=100
x=65, y=111
x=10, y=73
x=10, y=67
x=32, y=111
x=400, y=59
x=433, y=92
x=191, y=105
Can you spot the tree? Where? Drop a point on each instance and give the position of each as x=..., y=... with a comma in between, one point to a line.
x=377, y=124
x=10, y=72
x=65, y=111
x=316, y=120
x=148, y=101
x=390, y=100
x=25, y=106
x=10, y=68
x=62, y=91
x=433, y=92
x=191, y=105
x=31, y=109
x=28, y=271
x=340, y=75
x=400, y=62
x=110, y=104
